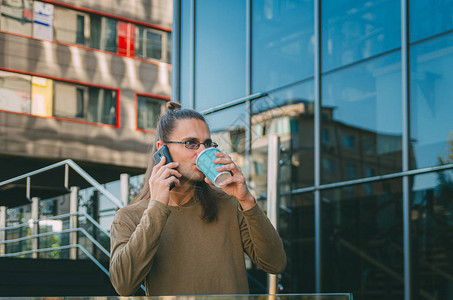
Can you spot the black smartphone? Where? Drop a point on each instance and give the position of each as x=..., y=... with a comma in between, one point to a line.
x=164, y=152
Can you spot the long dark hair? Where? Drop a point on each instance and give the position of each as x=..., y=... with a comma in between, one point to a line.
x=165, y=126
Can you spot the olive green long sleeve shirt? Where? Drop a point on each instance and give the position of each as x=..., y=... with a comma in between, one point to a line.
x=174, y=252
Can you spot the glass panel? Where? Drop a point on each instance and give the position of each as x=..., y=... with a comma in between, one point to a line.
x=288, y=113
x=431, y=105
x=361, y=120
x=428, y=18
x=15, y=92
x=69, y=26
x=17, y=216
x=220, y=55
x=103, y=33
x=432, y=232
x=90, y=104
x=69, y=101
x=169, y=47
x=282, y=43
x=296, y=228
x=101, y=106
x=148, y=111
x=153, y=45
x=109, y=26
x=353, y=30
x=16, y=16
x=148, y=43
x=42, y=96
x=362, y=236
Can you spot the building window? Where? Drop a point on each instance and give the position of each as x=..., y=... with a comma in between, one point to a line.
x=348, y=141
x=369, y=147
x=148, y=111
x=16, y=16
x=149, y=43
x=15, y=93
x=351, y=172
x=90, y=104
x=325, y=136
x=103, y=33
x=71, y=26
x=328, y=165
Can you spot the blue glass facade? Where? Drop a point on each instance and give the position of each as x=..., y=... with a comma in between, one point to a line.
x=364, y=116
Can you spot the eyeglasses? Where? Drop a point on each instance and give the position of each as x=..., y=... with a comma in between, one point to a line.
x=194, y=145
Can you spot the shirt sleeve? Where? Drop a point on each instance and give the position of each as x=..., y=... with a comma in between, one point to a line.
x=133, y=246
x=261, y=241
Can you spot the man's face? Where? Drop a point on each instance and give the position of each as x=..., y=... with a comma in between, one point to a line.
x=185, y=130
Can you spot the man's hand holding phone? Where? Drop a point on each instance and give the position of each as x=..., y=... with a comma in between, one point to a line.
x=161, y=180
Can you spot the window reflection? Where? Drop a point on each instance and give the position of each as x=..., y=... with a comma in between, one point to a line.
x=85, y=103
x=15, y=92
x=149, y=43
x=428, y=18
x=362, y=235
x=70, y=26
x=219, y=51
x=103, y=33
x=282, y=43
x=288, y=113
x=432, y=232
x=148, y=111
x=353, y=30
x=16, y=16
x=361, y=111
x=431, y=105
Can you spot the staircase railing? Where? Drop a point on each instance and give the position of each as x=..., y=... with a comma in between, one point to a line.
x=83, y=231
x=74, y=229
x=68, y=163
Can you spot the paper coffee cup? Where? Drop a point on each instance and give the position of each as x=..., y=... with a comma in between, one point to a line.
x=205, y=165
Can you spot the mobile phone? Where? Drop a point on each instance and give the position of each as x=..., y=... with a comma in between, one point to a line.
x=164, y=152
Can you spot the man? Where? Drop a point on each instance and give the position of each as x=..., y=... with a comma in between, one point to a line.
x=190, y=240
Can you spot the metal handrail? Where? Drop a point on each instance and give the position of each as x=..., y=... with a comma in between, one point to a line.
x=79, y=170
x=29, y=237
x=61, y=248
x=93, y=221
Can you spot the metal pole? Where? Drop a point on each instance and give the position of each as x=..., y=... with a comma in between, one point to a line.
x=272, y=195
x=2, y=232
x=27, y=188
x=35, y=225
x=405, y=95
x=317, y=158
x=66, y=176
x=248, y=87
x=124, y=182
x=73, y=220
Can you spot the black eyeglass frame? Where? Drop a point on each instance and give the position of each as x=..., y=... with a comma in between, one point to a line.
x=197, y=145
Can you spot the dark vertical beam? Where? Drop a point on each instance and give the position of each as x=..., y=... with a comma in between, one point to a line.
x=248, y=87
x=317, y=86
x=405, y=97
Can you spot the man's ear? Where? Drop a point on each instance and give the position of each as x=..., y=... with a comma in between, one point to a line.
x=159, y=144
